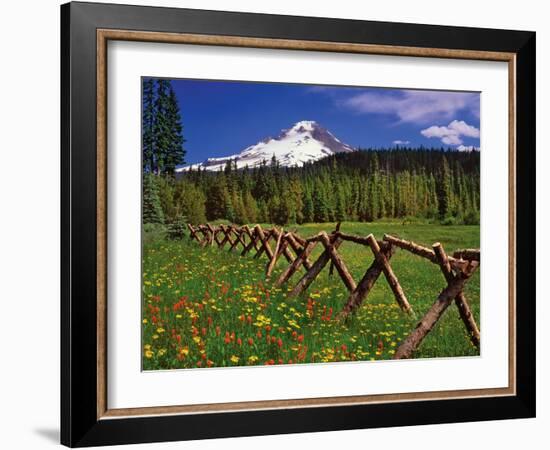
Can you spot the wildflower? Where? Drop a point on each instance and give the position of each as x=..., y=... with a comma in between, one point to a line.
x=250, y=341
x=279, y=342
x=149, y=354
x=239, y=341
x=234, y=359
x=145, y=321
x=252, y=359
x=184, y=351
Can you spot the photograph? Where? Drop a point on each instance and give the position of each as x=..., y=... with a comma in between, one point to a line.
x=307, y=224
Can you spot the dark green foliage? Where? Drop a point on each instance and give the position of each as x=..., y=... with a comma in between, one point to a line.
x=368, y=185
x=178, y=229
x=148, y=119
x=152, y=210
x=162, y=139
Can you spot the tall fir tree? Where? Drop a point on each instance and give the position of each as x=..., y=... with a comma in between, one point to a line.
x=152, y=210
x=175, y=153
x=148, y=120
x=161, y=128
x=444, y=189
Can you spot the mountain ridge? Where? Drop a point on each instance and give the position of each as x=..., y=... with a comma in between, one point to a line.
x=306, y=141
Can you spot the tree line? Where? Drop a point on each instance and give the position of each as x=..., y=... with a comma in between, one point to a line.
x=366, y=185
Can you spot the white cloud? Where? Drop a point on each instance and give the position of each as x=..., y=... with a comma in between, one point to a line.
x=414, y=106
x=400, y=142
x=452, y=133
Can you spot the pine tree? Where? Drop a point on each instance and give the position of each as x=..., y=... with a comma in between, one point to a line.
x=148, y=120
x=320, y=207
x=175, y=153
x=161, y=129
x=308, y=208
x=216, y=199
x=251, y=207
x=152, y=210
x=444, y=189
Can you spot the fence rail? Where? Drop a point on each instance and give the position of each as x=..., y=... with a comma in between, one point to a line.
x=456, y=269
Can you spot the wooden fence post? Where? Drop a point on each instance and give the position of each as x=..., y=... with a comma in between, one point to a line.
x=364, y=286
x=193, y=233
x=460, y=300
x=276, y=253
x=312, y=273
x=264, y=244
x=413, y=341
x=301, y=258
x=338, y=262
x=390, y=276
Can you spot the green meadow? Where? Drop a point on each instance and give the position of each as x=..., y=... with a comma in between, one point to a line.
x=207, y=307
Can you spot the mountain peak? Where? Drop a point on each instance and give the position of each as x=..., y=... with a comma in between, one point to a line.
x=305, y=141
x=304, y=125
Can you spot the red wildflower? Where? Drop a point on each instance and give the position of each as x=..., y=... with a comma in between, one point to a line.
x=280, y=342
x=250, y=341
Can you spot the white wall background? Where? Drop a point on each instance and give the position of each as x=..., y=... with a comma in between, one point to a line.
x=29, y=224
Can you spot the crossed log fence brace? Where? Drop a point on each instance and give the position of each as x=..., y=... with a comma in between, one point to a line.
x=456, y=269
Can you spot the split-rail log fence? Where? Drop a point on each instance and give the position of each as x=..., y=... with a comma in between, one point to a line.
x=456, y=269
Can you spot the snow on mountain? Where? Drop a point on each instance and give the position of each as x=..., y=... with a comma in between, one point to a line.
x=306, y=141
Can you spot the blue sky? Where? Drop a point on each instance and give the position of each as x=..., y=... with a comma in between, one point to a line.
x=221, y=118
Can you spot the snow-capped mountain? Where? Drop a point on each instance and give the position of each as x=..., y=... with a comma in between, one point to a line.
x=306, y=141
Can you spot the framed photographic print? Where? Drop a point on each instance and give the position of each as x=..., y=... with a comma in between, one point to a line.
x=274, y=224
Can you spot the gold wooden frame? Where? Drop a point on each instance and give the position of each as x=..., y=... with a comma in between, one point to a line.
x=104, y=35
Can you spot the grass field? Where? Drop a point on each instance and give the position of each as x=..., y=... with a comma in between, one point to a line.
x=208, y=307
